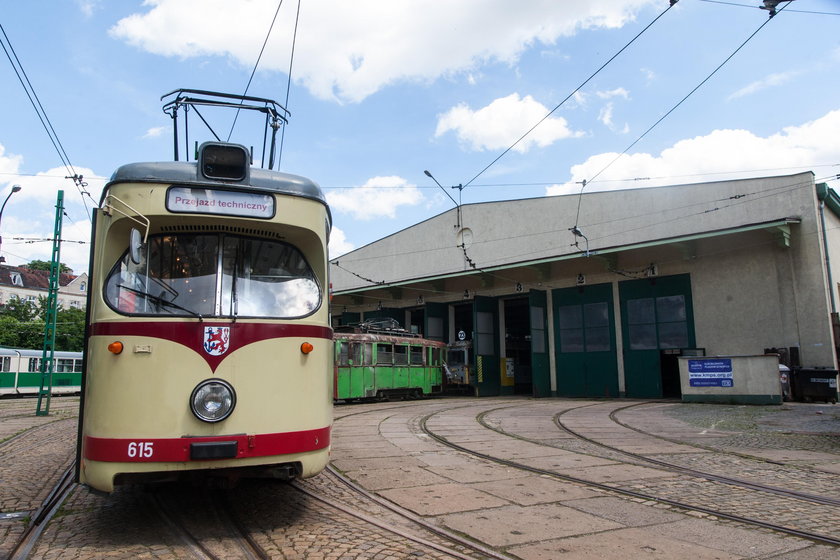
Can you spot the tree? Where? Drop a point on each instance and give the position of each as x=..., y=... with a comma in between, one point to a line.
x=45, y=265
x=22, y=326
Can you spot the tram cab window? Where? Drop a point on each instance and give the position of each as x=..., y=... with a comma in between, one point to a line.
x=435, y=361
x=214, y=275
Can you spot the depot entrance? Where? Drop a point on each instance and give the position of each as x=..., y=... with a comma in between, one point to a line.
x=517, y=367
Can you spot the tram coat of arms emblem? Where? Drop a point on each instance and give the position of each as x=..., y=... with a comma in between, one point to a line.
x=216, y=340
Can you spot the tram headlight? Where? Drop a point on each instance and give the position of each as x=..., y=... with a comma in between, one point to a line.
x=212, y=400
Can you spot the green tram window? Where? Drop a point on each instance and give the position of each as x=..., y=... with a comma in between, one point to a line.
x=356, y=353
x=6, y=364
x=384, y=354
x=400, y=355
x=435, y=361
x=343, y=347
x=416, y=355
x=367, y=355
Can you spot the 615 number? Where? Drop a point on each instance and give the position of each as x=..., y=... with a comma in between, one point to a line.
x=144, y=449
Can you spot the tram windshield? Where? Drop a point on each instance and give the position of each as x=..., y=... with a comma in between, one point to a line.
x=214, y=275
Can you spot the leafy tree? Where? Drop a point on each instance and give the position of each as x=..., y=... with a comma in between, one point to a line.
x=45, y=265
x=20, y=310
x=22, y=326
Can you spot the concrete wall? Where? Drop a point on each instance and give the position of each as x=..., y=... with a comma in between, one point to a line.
x=754, y=380
x=523, y=230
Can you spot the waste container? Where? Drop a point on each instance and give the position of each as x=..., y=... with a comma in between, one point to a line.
x=784, y=379
x=815, y=384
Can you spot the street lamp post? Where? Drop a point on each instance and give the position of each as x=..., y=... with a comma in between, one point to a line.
x=15, y=188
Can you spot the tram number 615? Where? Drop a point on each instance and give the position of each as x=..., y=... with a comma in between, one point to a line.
x=143, y=449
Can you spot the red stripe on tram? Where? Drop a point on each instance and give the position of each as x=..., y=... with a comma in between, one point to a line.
x=157, y=450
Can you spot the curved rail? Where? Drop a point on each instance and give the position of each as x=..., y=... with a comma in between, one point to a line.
x=741, y=483
x=41, y=517
x=825, y=539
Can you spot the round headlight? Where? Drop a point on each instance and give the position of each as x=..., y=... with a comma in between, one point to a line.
x=212, y=400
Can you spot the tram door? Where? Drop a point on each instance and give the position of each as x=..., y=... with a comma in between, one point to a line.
x=436, y=321
x=516, y=376
x=485, y=342
x=540, y=368
x=656, y=316
x=584, y=328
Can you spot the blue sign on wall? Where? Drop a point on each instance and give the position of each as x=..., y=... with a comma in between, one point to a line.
x=710, y=372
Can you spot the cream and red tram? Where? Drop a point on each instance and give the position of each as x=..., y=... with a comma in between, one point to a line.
x=209, y=350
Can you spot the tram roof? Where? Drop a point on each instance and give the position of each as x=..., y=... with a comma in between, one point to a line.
x=186, y=173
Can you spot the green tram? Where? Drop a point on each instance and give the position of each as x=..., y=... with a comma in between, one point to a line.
x=20, y=372
x=377, y=359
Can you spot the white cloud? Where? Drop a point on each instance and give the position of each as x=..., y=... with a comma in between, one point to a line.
x=155, y=132
x=770, y=81
x=617, y=92
x=737, y=152
x=379, y=197
x=500, y=124
x=9, y=164
x=349, y=50
x=87, y=7
x=605, y=116
x=338, y=243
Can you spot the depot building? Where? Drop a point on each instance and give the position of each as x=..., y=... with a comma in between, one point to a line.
x=598, y=294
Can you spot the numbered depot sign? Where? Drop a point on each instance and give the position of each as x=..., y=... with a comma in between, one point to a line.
x=710, y=372
x=210, y=201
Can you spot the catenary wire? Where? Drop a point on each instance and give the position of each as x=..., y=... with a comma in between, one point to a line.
x=586, y=81
x=256, y=65
x=32, y=95
x=289, y=84
x=667, y=114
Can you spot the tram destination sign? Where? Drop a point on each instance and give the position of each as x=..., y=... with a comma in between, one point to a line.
x=710, y=372
x=210, y=201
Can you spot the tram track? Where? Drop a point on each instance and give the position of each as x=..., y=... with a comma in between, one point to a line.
x=40, y=518
x=455, y=545
x=674, y=467
x=651, y=496
x=227, y=538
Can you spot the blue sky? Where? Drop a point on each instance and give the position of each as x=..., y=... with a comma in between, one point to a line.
x=383, y=90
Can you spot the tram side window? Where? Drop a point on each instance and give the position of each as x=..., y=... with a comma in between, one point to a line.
x=34, y=365
x=400, y=355
x=6, y=364
x=64, y=365
x=435, y=361
x=416, y=355
x=367, y=357
x=342, y=352
x=384, y=354
x=356, y=353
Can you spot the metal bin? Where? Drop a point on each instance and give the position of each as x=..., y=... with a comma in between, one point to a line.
x=815, y=384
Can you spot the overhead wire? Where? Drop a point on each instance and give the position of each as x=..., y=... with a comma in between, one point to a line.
x=585, y=182
x=578, y=88
x=35, y=101
x=256, y=65
x=289, y=83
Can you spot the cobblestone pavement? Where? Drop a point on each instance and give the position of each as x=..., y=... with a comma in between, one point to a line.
x=382, y=447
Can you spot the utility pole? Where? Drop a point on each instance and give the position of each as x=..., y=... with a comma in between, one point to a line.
x=45, y=392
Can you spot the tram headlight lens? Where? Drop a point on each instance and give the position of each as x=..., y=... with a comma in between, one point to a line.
x=213, y=400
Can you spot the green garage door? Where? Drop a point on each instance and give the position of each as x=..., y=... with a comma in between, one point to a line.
x=584, y=336
x=656, y=315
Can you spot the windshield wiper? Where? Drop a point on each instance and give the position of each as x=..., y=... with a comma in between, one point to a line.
x=160, y=301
